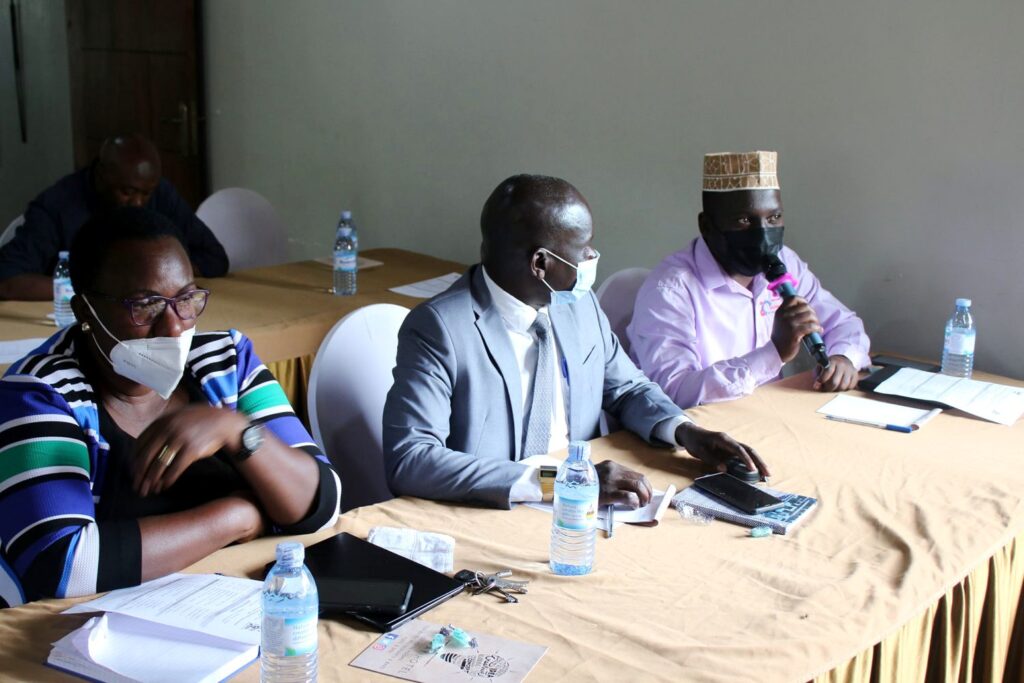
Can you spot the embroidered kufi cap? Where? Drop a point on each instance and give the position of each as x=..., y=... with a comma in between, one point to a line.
x=729, y=171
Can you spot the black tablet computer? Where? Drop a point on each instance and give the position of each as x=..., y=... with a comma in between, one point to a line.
x=349, y=558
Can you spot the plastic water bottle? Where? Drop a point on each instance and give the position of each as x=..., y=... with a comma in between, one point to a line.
x=62, y=292
x=288, y=646
x=958, y=350
x=574, y=527
x=346, y=256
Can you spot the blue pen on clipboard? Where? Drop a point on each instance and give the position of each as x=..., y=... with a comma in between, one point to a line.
x=866, y=423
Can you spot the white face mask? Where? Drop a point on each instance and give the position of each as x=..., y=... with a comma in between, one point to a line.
x=586, y=275
x=156, y=362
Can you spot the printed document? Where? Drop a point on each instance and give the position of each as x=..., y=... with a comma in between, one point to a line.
x=217, y=605
x=182, y=627
x=405, y=653
x=994, y=402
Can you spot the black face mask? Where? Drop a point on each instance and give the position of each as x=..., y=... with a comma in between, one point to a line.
x=743, y=252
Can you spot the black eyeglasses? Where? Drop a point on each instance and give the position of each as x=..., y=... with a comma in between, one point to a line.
x=146, y=309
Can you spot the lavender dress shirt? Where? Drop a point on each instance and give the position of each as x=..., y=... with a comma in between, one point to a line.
x=705, y=338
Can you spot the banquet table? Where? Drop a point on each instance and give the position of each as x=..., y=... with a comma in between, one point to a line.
x=910, y=568
x=286, y=309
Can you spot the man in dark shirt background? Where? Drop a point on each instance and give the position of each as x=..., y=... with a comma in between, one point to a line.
x=126, y=173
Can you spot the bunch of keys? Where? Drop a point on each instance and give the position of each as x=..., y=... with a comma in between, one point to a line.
x=496, y=583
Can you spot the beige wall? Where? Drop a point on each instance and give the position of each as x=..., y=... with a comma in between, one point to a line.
x=899, y=128
x=28, y=168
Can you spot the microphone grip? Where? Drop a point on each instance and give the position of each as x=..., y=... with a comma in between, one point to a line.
x=813, y=342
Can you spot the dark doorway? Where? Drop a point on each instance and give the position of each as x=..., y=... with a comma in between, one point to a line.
x=135, y=67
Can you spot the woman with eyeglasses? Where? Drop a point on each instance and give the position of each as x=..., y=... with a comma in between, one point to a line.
x=133, y=444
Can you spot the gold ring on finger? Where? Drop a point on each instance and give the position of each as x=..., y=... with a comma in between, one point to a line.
x=166, y=456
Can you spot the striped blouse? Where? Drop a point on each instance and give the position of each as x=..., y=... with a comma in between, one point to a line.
x=54, y=461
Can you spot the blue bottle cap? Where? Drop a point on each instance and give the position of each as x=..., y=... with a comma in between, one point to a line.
x=346, y=215
x=63, y=255
x=290, y=554
x=579, y=450
x=963, y=303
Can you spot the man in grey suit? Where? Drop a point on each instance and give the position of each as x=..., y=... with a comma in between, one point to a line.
x=481, y=382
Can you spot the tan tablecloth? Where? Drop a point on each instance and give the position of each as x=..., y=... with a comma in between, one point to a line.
x=908, y=567
x=286, y=310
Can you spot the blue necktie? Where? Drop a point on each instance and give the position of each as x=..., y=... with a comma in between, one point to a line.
x=538, y=418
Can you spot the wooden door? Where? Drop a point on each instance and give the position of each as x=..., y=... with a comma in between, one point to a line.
x=135, y=67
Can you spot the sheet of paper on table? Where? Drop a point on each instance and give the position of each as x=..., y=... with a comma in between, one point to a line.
x=14, y=349
x=856, y=409
x=404, y=653
x=223, y=606
x=362, y=263
x=199, y=627
x=994, y=402
x=648, y=515
x=116, y=647
x=427, y=288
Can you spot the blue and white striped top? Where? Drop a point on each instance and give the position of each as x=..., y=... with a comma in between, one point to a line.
x=54, y=462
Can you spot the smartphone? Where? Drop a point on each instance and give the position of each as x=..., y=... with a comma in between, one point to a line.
x=389, y=598
x=738, y=494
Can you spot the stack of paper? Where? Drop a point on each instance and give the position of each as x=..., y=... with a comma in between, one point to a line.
x=995, y=402
x=177, y=628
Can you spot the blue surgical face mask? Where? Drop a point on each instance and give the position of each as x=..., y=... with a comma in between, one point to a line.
x=586, y=275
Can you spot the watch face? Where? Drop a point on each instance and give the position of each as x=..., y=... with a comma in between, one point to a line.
x=252, y=437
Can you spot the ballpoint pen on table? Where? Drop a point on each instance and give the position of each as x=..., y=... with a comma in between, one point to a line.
x=867, y=423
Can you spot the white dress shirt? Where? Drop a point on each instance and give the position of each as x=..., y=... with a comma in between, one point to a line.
x=518, y=317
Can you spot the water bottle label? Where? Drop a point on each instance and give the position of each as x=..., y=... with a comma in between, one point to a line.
x=577, y=515
x=288, y=637
x=62, y=290
x=345, y=262
x=961, y=343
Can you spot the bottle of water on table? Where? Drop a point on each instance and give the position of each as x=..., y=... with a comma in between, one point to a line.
x=62, y=292
x=958, y=349
x=288, y=637
x=574, y=524
x=346, y=256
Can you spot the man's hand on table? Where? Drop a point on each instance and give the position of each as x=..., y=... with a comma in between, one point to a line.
x=622, y=486
x=718, y=448
x=839, y=376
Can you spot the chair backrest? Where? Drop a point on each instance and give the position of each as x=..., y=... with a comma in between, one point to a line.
x=617, y=295
x=348, y=384
x=248, y=227
x=12, y=227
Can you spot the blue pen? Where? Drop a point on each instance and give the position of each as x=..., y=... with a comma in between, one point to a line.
x=565, y=370
x=876, y=425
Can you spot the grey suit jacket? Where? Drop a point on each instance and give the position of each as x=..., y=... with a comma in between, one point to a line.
x=453, y=420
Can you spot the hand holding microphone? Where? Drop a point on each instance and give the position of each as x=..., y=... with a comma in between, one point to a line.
x=795, y=321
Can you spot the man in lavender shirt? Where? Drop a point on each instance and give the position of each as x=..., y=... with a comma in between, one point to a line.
x=707, y=328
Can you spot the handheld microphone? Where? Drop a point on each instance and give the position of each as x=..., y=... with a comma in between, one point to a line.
x=781, y=282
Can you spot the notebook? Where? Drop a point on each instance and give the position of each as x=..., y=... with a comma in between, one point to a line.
x=781, y=520
x=865, y=411
x=348, y=557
